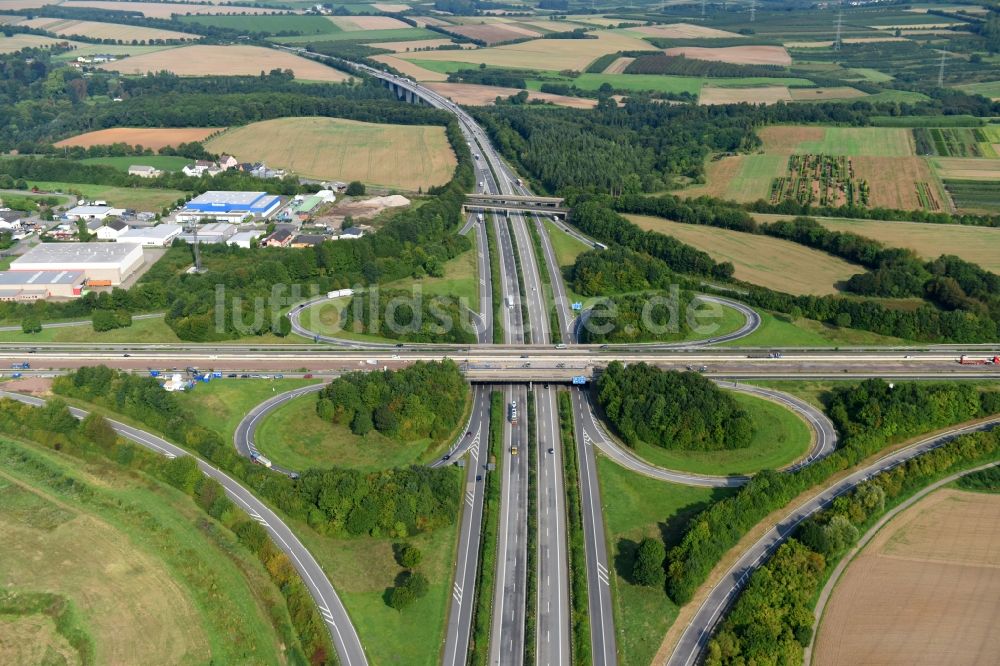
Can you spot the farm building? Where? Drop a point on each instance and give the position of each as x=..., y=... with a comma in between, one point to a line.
x=96, y=212
x=144, y=171
x=245, y=238
x=112, y=230
x=231, y=207
x=102, y=264
x=161, y=235
x=308, y=240
x=214, y=232
x=35, y=285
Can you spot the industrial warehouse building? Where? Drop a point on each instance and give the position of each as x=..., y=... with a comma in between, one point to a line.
x=102, y=264
x=231, y=207
x=161, y=235
x=35, y=285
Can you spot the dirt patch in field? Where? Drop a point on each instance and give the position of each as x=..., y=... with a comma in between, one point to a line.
x=492, y=33
x=166, y=9
x=924, y=591
x=28, y=385
x=363, y=209
x=423, y=21
x=203, y=60
x=832, y=92
x=97, y=30
x=684, y=31
x=739, y=55
x=758, y=95
x=893, y=181
x=409, y=69
x=147, y=137
x=619, y=65
x=476, y=95
x=785, y=139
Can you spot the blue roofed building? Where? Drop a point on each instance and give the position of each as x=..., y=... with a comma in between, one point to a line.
x=233, y=207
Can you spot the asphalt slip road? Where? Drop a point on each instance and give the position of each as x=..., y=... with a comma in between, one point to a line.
x=345, y=638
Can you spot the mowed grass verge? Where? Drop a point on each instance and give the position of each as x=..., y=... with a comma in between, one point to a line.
x=762, y=260
x=140, y=198
x=636, y=507
x=780, y=438
x=161, y=162
x=152, y=578
x=398, y=156
x=142, y=330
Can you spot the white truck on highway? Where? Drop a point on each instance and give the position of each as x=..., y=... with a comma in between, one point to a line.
x=480, y=218
x=260, y=460
x=510, y=301
x=337, y=293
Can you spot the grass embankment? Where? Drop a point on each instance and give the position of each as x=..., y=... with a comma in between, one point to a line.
x=566, y=248
x=491, y=241
x=161, y=162
x=150, y=577
x=459, y=280
x=519, y=274
x=531, y=577
x=486, y=578
x=294, y=435
x=636, y=507
x=140, y=198
x=548, y=293
x=580, y=624
x=780, y=330
x=141, y=331
x=221, y=404
x=780, y=437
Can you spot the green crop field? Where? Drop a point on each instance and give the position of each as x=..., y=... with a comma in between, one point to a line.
x=140, y=198
x=674, y=84
x=989, y=89
x=636, y=507
x=955, y=141
x=161, y=162
x=780, y=438
x=266, y=23
x=856, y=141
x=370, y=36
x=975, y=196
x=150, y=578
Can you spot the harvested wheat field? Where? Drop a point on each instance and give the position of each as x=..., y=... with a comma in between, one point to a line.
x=967, y=168
x=763, y=260
x=18, y=5
x=895, y=182
x=846, y=40
x=147, y=137
x=545, y=54
x=739, y=55
x=390, y=7
x=410, y=69
x=355, y=23
x=926, y=590
x=400, y=156
x=476, y=95
x=225, y=60
x=411, y=45
x=684, y=31
x=832, y=92
x=97, y=30
x=167, y=9
x=618, y=65
x=492, y=33
x=756, y=95
x=17, y=42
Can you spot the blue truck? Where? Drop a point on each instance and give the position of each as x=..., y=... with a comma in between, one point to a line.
x=579, y=380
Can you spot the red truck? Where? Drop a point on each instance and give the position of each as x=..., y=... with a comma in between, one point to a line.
x=965, y=360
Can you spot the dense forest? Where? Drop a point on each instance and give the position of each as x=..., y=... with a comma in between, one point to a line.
x=424, y=400
x=393, y=502
x=673, y=410
x=399, y=314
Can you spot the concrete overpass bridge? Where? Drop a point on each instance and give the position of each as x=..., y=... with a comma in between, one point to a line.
x=502, y=202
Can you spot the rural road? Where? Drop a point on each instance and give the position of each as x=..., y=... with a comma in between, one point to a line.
x=692, y=643
x=345, y=638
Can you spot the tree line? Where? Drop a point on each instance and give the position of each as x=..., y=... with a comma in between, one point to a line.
x=672, y=410
x=424, y=400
